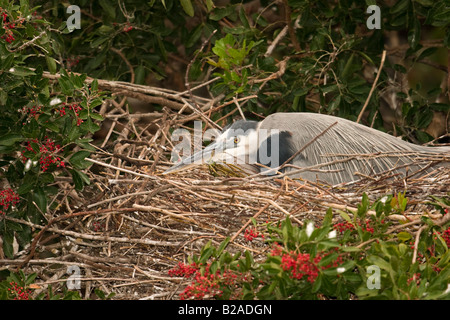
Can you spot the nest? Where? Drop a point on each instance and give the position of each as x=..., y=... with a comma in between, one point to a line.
x=132, y=224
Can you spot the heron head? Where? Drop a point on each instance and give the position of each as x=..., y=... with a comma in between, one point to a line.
x=237, y=144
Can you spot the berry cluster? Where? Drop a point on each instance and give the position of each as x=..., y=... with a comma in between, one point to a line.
x=343, y=226
x=252, y=233
x=183, y=270
x=300, y=265
x=415, y=278
x=205, y=284
x=48, y=151
x=7, y=198
x=32, y=112
x=98, y=226
x=75, y=107
x=303, y=264
x=127, y=28
x=445, y=235
x=18, y=292
x=72, y=62
x=8, y=26
x=36, y=111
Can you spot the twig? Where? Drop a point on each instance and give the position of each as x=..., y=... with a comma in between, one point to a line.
x=287, y=16
x=30, y=42
x=239, y=108
x=122, y=169
x=441, y=222
x=196, y=108
x=383, y=57
x=306, y=146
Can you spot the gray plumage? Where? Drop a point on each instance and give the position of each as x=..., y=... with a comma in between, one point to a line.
x=349, y=147
x=345, y=152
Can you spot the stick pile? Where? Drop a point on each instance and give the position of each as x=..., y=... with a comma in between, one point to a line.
x=133, y=224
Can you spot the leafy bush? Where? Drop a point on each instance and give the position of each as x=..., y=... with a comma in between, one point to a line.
x=45, y=126
x=19, y=286
x=294, y=55
x=363, y=257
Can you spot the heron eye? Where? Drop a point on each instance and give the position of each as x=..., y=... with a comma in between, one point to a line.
x=236, y=140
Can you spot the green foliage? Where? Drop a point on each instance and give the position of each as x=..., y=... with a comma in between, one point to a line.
x=231, y=59
x=329, y=55
x=45, y=125
x=19, y=286
x=332, y=261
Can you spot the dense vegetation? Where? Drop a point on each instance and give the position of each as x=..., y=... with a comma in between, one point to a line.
x=311, y=56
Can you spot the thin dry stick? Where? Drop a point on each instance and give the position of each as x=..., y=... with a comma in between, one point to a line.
x=122, y=169
x=383, y=58
x=441, y=222
x=306, y=145
x=196, y=108
x=239, y=108
x=248, y=222
x=255, y=216
x=47, y=227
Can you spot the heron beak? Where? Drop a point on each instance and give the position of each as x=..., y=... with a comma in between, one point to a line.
x=200, y=157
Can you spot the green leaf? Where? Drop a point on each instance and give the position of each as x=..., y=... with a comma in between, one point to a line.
x=334, y=104
x=345, y=216
x=206, y=254
x=243, y=18
x=380, y=262
x=350, y=249
x=187, y=7
x=222, y=246
x=27, y=184
x=6, y=61
x=424, y=119
x=79, y=179
x=78, y=162
x=194, y=36
x=66, y=86
x=90, y=126
x=399, y=6
x=404, y=236
x=109, y=8
x=30, y=279
x=140, y=74
x=220, y=13
x=21, y=71
x=414, y=35
x=13, y=226
x=51, y=64
x=329, y=88
x=95, y=44
x=40, y=199
x=209, y=5
x=8, y=239
x=440, y=106
x=10, y=139
x=97, y=116
x=317, y=284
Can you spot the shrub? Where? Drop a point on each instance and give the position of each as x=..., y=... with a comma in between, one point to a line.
x=361, y=258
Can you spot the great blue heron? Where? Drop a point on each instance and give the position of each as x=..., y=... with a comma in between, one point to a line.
x=317, y=147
